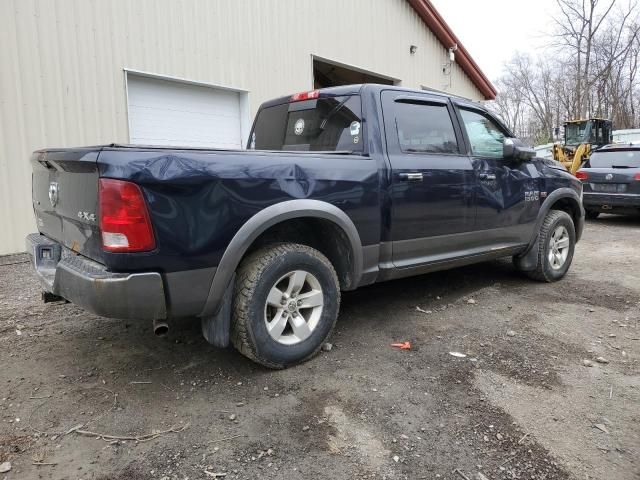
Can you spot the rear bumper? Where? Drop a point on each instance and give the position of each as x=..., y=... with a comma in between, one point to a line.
x=611, y=200
x=89, y=285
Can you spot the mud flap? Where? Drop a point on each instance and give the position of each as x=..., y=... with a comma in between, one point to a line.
x=528, y=261
x=216, y=328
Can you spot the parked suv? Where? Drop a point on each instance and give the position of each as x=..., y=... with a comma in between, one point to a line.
x=611, y=180
x=339, y=188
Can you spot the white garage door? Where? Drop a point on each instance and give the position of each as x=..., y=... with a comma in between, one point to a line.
x=165, y=112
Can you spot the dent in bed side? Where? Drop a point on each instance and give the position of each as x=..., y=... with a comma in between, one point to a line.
x=269, y=217
x=199, y=200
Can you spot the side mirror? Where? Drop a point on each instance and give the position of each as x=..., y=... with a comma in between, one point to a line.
x=516, y=149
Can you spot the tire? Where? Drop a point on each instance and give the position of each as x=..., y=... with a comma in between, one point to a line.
x=554, y=222
x=277, y=271
x=591, y=214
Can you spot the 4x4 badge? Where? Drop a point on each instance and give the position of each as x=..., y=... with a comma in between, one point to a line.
x=87, y=216
x=53, y=193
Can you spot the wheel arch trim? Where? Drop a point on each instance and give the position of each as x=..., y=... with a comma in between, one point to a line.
x=528, y=258
x=263, y=220
x=552, y=199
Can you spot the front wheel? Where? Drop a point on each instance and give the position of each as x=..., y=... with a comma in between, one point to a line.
x=286, y=303
x=556, y=244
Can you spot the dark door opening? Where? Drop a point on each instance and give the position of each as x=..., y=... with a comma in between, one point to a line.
x=329, y=75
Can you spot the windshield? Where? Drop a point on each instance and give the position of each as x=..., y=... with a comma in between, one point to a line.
x=324, y=124
x=576, y=133
x=615, y=159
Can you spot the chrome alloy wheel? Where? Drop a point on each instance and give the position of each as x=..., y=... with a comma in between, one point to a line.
x=559, y=247
x=294, y=307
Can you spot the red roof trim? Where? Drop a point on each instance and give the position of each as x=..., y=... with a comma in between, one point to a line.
x=443, y=32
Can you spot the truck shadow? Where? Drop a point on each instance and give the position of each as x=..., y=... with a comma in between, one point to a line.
x=133, y=346
x=632, y=221
x=426, y=291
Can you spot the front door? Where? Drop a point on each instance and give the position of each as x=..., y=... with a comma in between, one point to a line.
x=432, y=184
x=508, y=191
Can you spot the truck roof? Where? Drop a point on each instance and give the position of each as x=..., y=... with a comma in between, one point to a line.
x=358, y=88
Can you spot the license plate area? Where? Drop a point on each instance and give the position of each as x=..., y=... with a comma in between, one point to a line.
x=47, y=256
x=609, y=187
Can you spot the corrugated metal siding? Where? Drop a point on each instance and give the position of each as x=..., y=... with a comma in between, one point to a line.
x=61, y=65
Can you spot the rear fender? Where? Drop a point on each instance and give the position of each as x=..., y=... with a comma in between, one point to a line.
x=259, y=223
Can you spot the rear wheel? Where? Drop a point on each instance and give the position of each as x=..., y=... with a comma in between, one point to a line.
x=286, y=304
x=591, y=214
x=556, y=244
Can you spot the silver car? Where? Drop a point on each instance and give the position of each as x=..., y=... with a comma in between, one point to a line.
x=611, y=181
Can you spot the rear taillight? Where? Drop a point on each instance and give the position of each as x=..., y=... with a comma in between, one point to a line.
x=582, y=176
x=636, y=176
x=299, y=97
x=124, y=219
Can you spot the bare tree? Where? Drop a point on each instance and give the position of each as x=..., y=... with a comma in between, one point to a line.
x=589, y=69
x=508, y=105
x=578, y=26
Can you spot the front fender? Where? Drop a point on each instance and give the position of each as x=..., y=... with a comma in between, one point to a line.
x=528, y=259
x=552, y=199
x=259, y=223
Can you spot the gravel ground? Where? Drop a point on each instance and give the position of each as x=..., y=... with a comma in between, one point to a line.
x=529, y=400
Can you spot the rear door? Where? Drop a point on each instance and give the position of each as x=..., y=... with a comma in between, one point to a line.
x=432, y=184
x=507, y=191
x=65, y=198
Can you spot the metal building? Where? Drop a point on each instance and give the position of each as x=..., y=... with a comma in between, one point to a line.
x=193, y=72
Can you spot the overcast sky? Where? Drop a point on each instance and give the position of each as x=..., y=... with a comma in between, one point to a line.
x=493, y=30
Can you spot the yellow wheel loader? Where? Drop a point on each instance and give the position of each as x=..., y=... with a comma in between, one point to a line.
x=580, y=138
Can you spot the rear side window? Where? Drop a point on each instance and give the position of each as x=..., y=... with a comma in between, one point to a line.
x=324, y=124
x=485, y=136
x=615, y=158
x=425, y=128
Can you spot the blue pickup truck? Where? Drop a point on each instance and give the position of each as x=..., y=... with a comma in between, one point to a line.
x=338, y=188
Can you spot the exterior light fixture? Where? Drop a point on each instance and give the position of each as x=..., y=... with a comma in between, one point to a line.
x=452, y=54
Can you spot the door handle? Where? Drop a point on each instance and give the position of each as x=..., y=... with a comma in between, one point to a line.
x=410, y=176
x=487, y=176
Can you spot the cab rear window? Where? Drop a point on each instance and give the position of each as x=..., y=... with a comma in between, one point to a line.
x=323, y=124
x=615, y=159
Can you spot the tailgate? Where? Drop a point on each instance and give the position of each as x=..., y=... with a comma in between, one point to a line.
x=65, y=198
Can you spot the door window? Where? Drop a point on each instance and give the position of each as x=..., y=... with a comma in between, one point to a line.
x=485, y=137
x=425, y=128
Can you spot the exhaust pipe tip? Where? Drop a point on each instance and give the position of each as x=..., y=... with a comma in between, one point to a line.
x=160, y=329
